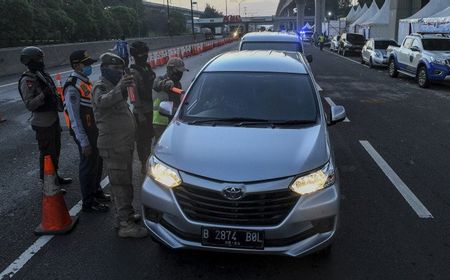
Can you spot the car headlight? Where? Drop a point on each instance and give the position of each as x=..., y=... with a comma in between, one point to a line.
x=162, y=173
x=438, y=60
x=378, y=54
x=315, y=181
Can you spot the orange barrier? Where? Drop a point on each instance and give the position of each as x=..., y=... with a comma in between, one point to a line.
x=55, y=217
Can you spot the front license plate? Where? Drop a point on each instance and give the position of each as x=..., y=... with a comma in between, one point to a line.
x=233, y=238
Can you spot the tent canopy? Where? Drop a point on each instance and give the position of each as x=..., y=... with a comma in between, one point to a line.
x=307, y=27
x=359, y=12
x=382, y=16
x=351, y=13
x=371, y=12
x=433, y=7
x=440, y=17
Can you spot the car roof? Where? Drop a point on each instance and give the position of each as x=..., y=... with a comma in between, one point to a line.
x=258, y=61
x=271, y=37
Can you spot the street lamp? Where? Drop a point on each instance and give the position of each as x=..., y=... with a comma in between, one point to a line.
x=328, y=28
x=192, y=18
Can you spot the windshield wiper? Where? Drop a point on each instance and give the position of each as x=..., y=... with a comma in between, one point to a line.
x=279, y=122
x=229, y=120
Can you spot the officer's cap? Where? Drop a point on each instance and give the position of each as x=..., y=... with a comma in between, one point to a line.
x=111, y=59
x=81, y=56
x=177, y=63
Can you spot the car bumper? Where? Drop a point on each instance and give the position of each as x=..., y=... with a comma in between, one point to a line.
x=309, y=226
x=438, y=72
x=380, y=61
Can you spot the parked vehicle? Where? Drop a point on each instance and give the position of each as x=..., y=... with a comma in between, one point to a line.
x=334, y=45
x=374, y=52
x=425, y=57
x=351, y=43
x=246, y=165
x=277, y=41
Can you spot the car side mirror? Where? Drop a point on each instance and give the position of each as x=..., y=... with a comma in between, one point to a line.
x=309, y=58
x=338, y=114
x=415, y=49
x=166, y=109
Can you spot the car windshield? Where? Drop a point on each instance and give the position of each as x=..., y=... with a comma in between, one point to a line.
x=385, y=44
x=356, y=39
x=436, y=44
x=250, y=96
x=276, y=46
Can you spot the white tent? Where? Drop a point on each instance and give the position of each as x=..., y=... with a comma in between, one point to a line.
x=358, y=14
x=412, y=24
x=370, y=13
x=378, y=25
x=439, y=22
x=351, y=13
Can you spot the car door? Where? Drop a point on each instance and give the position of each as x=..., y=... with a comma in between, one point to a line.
x=415, y=56
x=368, y=50
x=404, y=53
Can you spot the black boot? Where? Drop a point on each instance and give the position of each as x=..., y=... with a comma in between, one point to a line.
x=60, y=181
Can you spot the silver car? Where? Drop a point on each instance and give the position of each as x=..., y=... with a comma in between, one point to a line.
x=374, y=52
x=246, y=164
x=334, y=44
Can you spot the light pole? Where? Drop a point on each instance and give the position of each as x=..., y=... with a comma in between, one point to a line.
x=226, y=7
x=192, y=18
x=168, y=18
x=240, y=1
x=328, y=28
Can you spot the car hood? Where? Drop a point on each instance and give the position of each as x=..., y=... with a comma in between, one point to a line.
x=243, y=154
x=440, y=54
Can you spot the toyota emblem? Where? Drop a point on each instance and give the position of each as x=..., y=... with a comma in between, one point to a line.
x=233, y=193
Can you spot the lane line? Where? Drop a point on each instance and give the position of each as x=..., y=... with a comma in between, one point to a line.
x=349, y=59
x=20, y=262
x=407, y=194
x=330, y=101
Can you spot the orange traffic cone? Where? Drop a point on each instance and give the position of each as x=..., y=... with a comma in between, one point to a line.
x=55, y=217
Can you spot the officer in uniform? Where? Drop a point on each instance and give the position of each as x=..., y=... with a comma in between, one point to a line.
x=162, y=87
x=116, y=126
x=38, y=92
x=80, y=118
x=143, y=105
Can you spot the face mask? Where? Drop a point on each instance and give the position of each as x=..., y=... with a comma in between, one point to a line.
x=176, y=76
x=87, y=70
x=36, y=66
x=112, y=75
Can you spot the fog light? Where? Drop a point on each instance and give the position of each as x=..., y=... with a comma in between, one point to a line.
x=323, y=225
x=152, y=214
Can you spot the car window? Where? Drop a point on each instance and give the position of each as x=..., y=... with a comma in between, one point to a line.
x=408, y=43
x=436, y=44
x=276, y=46
x=384, y=44
x=416, y=43
x=356, y=38
x=268, y=96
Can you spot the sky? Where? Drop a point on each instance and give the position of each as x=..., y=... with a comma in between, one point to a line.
x=248, y=7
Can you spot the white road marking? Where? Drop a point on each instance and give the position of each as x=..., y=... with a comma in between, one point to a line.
x=407, y=194
x=349, y=59
x=18, y=263
x=319, y=88
x=330, y=101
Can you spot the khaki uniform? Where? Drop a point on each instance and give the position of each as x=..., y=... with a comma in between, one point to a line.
x=116, y=126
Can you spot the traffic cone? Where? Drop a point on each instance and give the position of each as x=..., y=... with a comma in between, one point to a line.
x=55, y=217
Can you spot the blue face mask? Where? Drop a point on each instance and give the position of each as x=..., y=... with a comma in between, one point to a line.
x=112, y=75
x=87, y=70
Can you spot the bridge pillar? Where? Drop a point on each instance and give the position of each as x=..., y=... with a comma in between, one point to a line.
x=318, y=18
x=301, y=4
x=401, y=9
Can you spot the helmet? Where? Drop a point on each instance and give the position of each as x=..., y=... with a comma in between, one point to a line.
x=31, y=54
x=111, y=59
x=138, y=47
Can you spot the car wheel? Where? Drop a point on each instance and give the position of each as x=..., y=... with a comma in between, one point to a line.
x=370, y=63
x=422, y=77
x=392, y=70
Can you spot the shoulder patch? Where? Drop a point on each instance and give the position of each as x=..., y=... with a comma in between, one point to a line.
x=30, y=83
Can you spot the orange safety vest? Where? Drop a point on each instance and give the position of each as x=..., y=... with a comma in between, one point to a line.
x=86, y=112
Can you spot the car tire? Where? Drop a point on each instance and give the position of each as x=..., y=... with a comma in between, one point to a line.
x=392, y=69
x=422, y=77
x=370, y=63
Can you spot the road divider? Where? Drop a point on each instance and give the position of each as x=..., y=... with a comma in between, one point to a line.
x=407, y=194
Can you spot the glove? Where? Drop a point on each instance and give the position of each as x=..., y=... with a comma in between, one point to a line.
x=86, y=151
x=168, y=85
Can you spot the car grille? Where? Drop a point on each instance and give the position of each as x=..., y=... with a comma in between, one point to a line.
x=254, y=209
x=448, y=61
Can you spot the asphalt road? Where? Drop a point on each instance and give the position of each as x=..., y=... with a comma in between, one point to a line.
x=381, y=235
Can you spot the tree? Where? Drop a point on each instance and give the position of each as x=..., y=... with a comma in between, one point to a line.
x=211, y=12
x=11, y=29
x=177, y=23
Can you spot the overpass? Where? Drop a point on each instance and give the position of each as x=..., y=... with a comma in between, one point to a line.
x=399, y=9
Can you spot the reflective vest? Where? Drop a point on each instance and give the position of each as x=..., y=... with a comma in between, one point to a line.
x=86, y=112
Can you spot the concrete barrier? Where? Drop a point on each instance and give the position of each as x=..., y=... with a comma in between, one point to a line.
x=58, y=55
